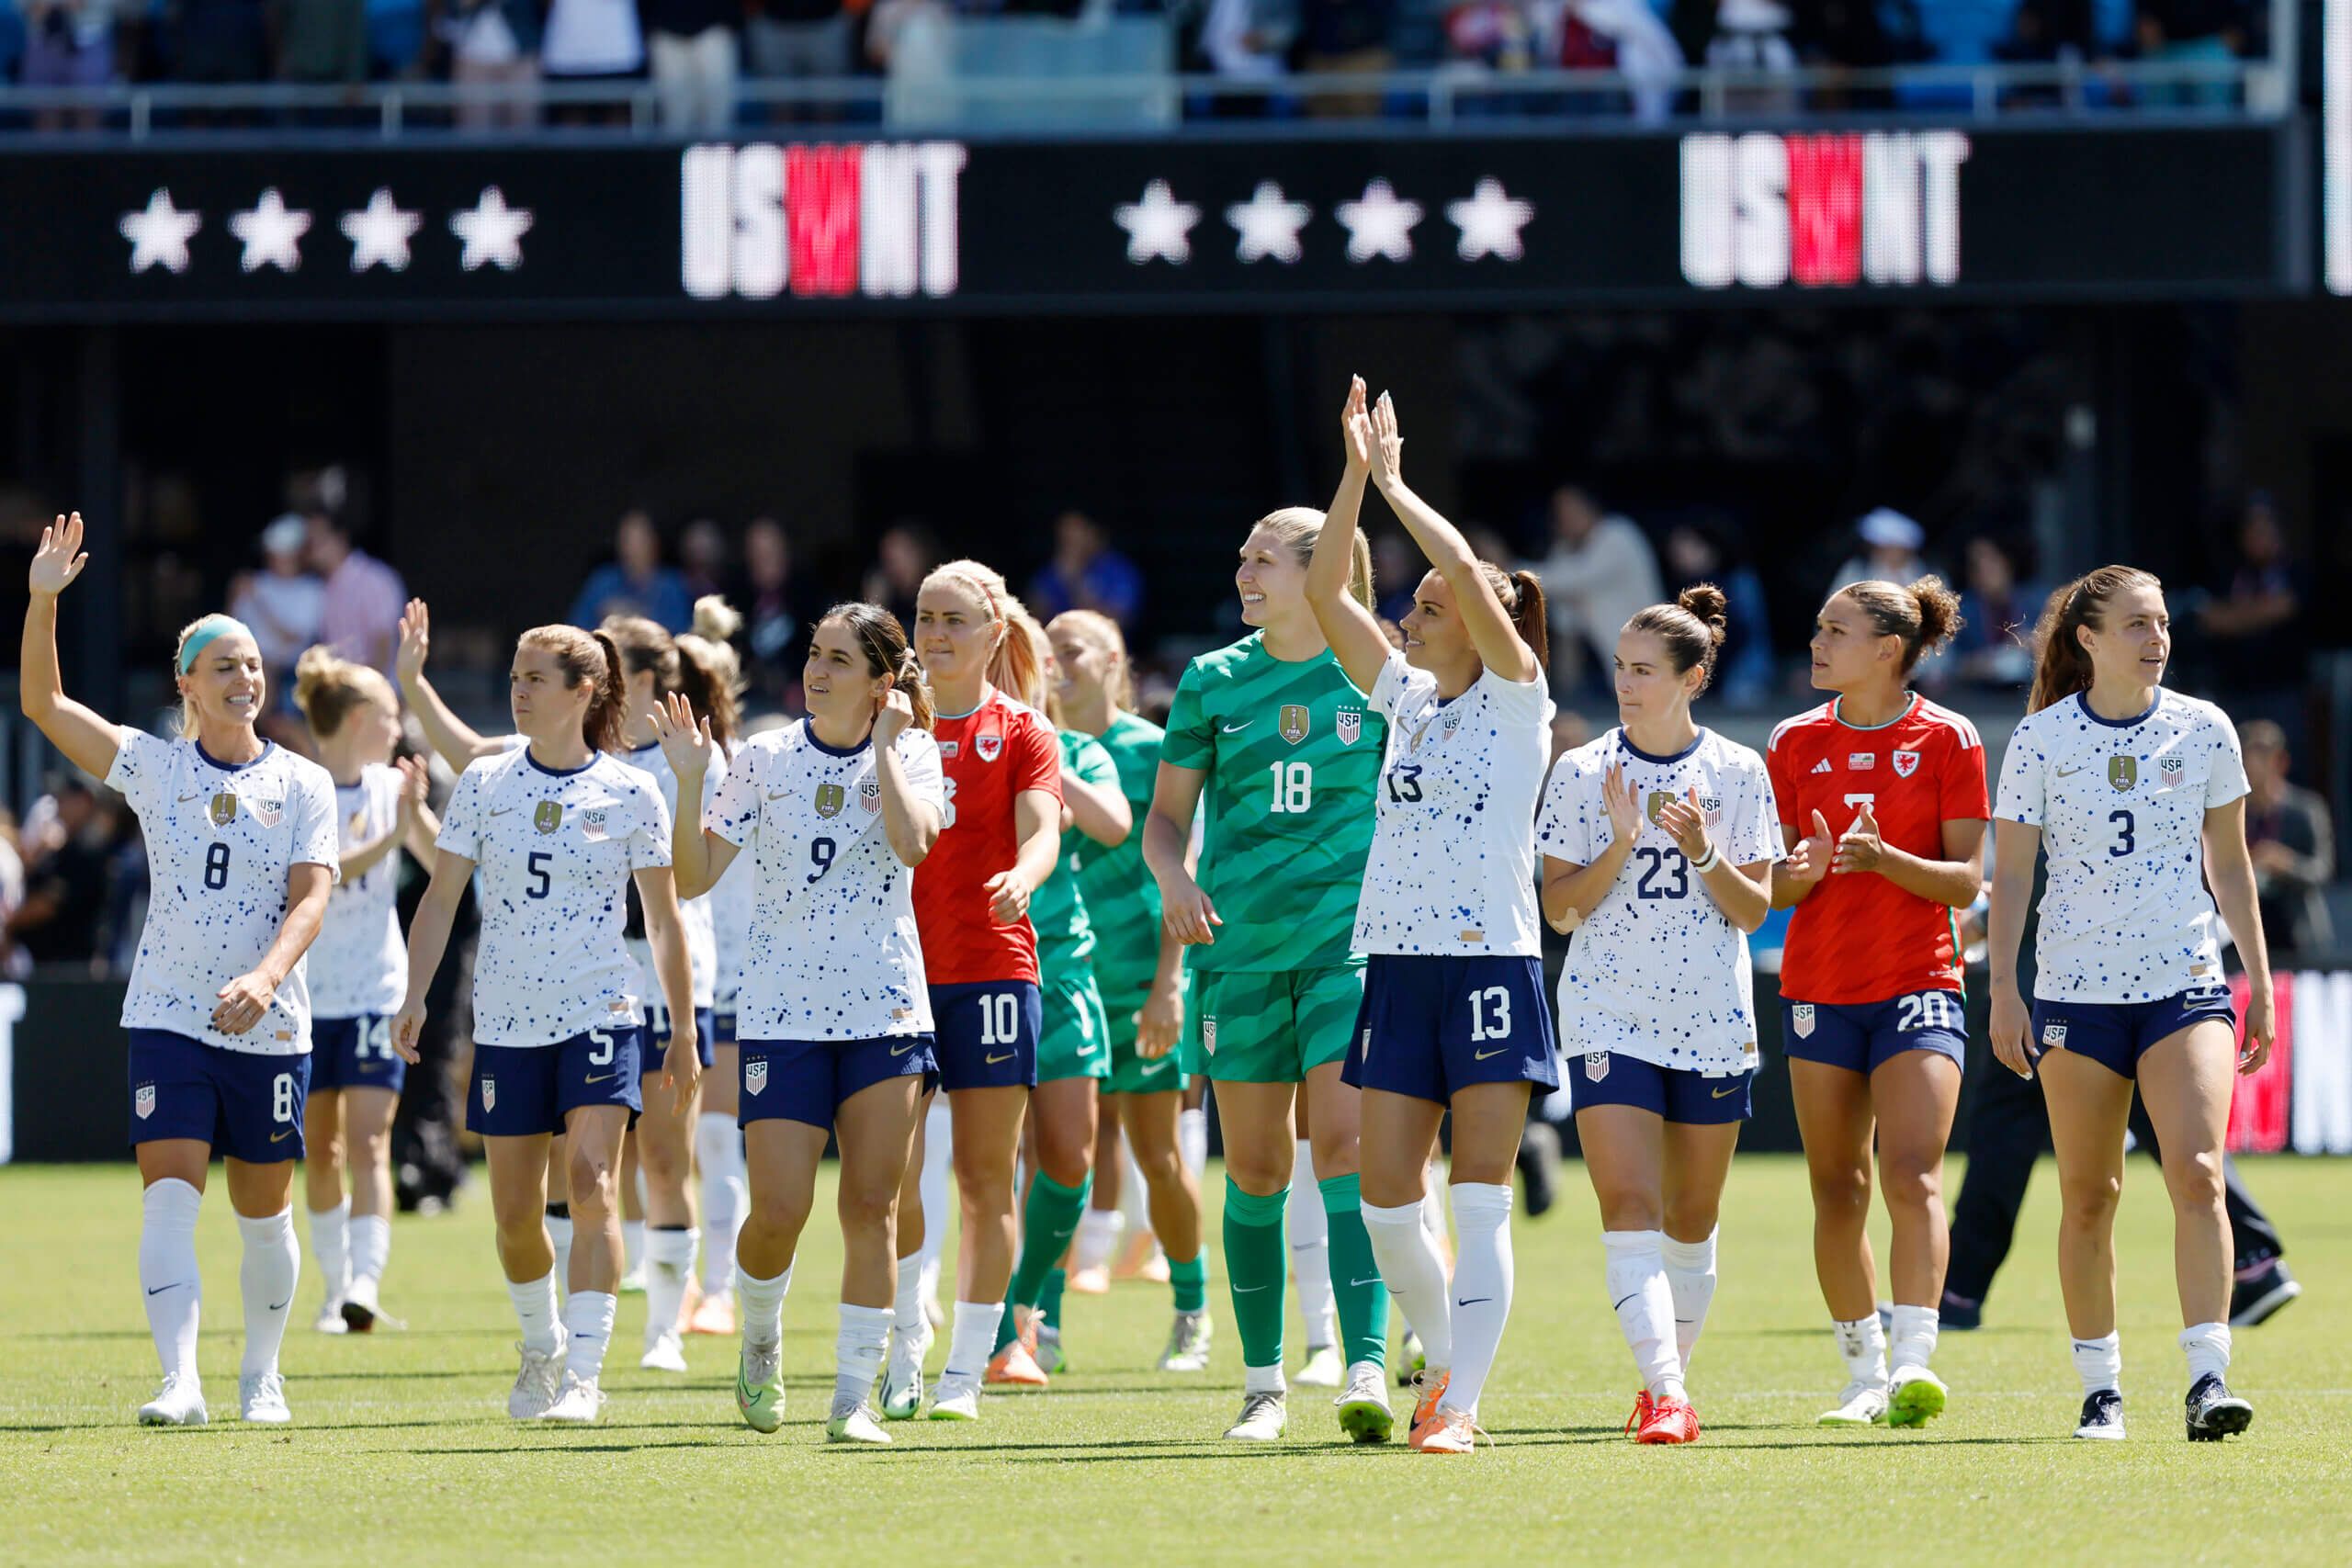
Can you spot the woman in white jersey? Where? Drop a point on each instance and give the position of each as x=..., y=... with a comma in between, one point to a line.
x=559, y=830
x=657, y=665
x=2133, y=789
x=1452, y=1016
x=242, y=856
x=834, y=1019
x=357, y=969
x=1658, y=840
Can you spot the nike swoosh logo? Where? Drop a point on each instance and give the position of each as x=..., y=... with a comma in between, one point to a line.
x=994, y=1060
x=160, y=1288
x=597, y=1078
x=186, y=799
x=1148, y=1068
x=902, y=1050
x=782, y=794
x=1237, y=728
x=2068, y=772
x=281, y=1306
x=1245, y=1290
x=1725, y=1093
x=1473, y=1300
x=501, y=811
x=281, y=1137
x=1482, y=1055
x=1373, y=1280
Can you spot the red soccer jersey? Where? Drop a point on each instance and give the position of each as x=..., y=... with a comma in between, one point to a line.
x=989, y=755
x=1860, y=938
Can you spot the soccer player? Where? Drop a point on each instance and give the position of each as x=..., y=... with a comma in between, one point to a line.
x=1453, y=1017
x=656, y=666
x=1073, y=1041
x=359, y=967
x=1286, y=751
x=242, y=857
x=2135, y=791
x=1882, y=812
x=559, y=830
x=1658, y=840
x=999, y=842
x=1139, y=971
x=834, y=1019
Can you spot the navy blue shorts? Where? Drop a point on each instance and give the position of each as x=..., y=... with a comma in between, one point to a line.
x=809, y=1080
x=520, y=1091
x=1672, y=1094
x=987, y=1033
x=722, y=1025
x=2117, y=1034
x=657, y=1037
x=247, y=1107
x=355, y=1053
x=1430, y=1025
x=1862, y=1036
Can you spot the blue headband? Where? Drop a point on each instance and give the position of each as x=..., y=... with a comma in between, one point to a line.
x=206, y=629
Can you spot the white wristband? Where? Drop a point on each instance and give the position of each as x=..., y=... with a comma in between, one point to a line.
x=1715, y=858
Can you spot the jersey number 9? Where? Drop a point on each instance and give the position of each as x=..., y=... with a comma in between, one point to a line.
x=1293, y=785
x=820, y=851
x=216, y=867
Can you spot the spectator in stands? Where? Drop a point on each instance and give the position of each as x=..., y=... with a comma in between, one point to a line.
x=222, y=41
x=779, y=610
x=395, y=38
x=902, y=558
x=2190, y=31
x=1753, y=35
x=321, y=40
x=1086, y=573
x=1699, y=553
x=13, y=961
x=68, y=43
x=2255, y=630
x=494, y=43
x=1601, y=570
x=284, y=602
x=2049, y=32
x=360, y=615
x=703, y=553
x=635, y=582
x=2293, y=841
x=799, y=40
x=1628, y=36
x=696, y=59
x=1346, y=36
x=1997, y=618
x=588, y=41
x=1890, y=551
x=69, y=838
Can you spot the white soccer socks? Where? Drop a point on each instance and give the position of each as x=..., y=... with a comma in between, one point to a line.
x=588, y=1319
x=1416, y=1275
x=2206, y=1345
x=536, y=1311
x=1310, y=1249
x=971, y=1341
x=726, y=1197
x=267, y=1276
x=1644, y=1303
x=167, y=1273
x=1690, y=1278
x=559, y=1237
x=1861, y=1345
x=1192, y=1140
x=1914, y=1342
x=330, y=1244
x=760, y=1303
x=1483, y=1275
x=371, y=1247
x=669, y=1264
x=2100, y=1363
x=858, y=1349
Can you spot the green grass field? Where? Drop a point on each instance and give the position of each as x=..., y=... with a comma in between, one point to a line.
x=401, y=1452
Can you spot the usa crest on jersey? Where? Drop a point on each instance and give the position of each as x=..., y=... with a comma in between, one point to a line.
x=1349, y=726
x=2054, y=1035
x=831, y=798
x=2169, y=771
x=592, y=825
x=988, y=745
x=1711, y=807
x=1293, y=722
x=1800, y=1020
x=143, y=1101
x=869, y=794
x=548, y=815
x=1905, y=764
x=270, y=812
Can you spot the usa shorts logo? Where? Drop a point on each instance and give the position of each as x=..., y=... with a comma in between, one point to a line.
x=2055, y=1035
x=1596, y=1066
x=1349, y=726
x=490, y=1094
x=988, y=745
x=755, y=1075
x=1800, y=1020
x=1208, y=1035
x=143, y=1101
x=1905, y=764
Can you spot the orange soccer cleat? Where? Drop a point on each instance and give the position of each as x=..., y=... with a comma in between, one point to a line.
x=1017, y=1365
x=1429, y=1387
x=1669, y=1421
x=713, y=1314
x=1456, y=1433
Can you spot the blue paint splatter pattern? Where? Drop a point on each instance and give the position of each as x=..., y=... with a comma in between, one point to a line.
x=359, y=964
x=695, y=914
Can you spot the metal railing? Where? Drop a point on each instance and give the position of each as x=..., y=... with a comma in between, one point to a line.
x=1448, y=97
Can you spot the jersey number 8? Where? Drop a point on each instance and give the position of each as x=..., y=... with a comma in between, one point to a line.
x=216, y=867
x=1293, y=785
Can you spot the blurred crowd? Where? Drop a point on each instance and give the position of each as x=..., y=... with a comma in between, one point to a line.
x=697, y=52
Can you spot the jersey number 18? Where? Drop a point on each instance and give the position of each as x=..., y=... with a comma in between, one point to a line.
x=1293, y=785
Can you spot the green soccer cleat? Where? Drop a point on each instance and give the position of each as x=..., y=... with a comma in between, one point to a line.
x=759, y=1386
x=1364, y=1415
x=1914, y=1398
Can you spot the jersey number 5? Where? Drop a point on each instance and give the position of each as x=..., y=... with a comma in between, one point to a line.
x=541, y=882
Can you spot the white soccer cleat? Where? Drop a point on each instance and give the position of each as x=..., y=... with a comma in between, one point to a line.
x=179, y=1403
x=666, y=1354
x=956, y=1399
x=852, y=1422
x=538, y=1386
x=362, y=1312
x=1265, y=1418
x=1188, y=1344
x=579, y=1403
x=1364, y=1408
x=1323, y=1369
x=261, y=1398
x=1862, y=1405
x=902, y=1375
x=330, y=1318
x=632, y=1281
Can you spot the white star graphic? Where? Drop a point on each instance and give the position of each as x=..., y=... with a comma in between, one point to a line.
x=493, y=232
x=1380, y=224
x=1268, y=225
x=272, y=232
x=159, y=233
x=1159, y=225
x=1490, y=222
x=380, y=232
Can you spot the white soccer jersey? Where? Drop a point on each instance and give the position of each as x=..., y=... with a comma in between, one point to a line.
x=694, y=914
x=359, y=964
x=730, y=915
x=1657, y=972
x=1452, y=864
x=219, y=841
x=832, y=953
x=555, y=853
x=2121, y=805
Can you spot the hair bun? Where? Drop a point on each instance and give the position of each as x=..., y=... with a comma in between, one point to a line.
x=1706, y=601
x=716, y=619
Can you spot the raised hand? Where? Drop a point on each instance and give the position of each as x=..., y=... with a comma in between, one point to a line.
x=416, y=641
x=1686, y=823
x=416, y=782
x=1809, y=858
x=685, y=740
x=1624, y=807
x=1387, y=447
x=1858, y=848
x=59, y=559
x=1355, y=430
x=893, y=712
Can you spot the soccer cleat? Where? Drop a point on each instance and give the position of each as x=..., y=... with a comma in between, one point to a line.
x=1914, y=1396
x=360, y=1308
x=1048, y=1349
x=2256, y=1299
x=261, y=1398
x=714, y=1314
x=852, y=1422
x=1323, y=1369
x=1014, y=1367
x=902, y=1375
x=179, y=1403
x=1641, y=1412
x=667, y=1353
x=1862, y=1405
x=1263, y=1419
x=1409, y=1359
x=1094, y=1281
x=330, y=1318
x=632, y=1282
x=1427, y=1391
x=579, y=1403
x=537, y=1384
x=1364, y=1408
x=956, y=1399
x=759, y=1386
x=1188, y=1344
x=1669, y=1421
x=2214, y=1412
x=2102, y=1415
x=1457, y=1433
x=1136, y=1257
